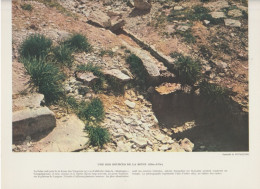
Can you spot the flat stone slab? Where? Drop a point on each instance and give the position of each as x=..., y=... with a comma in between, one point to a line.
x=232, y=23
x=30, y=122
x=29, y=101
x=68, y=136
x=235, y=13
x=218, y=15
x=99, y=18
x=149, y=64
x=117, y=74
x=88, y=78
x=130, y=104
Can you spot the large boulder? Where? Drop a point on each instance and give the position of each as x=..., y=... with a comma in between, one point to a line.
x=143, y=4
x=99, y=18
x=29, y=122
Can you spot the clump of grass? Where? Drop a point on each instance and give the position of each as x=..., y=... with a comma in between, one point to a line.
x=93, y=111
x=137, y=67
x=187, y=70
x=27, y=7
x=46, y=78
x=106, y=52
x=98, y=136
x=213, y=93
x=116, y=86
x=175, y=55
x=63, y=55
x=79, y=43
x=35, y=46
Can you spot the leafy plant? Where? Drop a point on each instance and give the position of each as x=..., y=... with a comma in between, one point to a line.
x=79, y=43
x=213, y=93
x=98, y=136
x=63, y=55
x=46, y=78
x=27, y=7
x=35, y=46
x=187, y=70
x=93, y=111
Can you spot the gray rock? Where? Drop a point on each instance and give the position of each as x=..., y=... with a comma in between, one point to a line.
x=140, y=142
x=142, y=4
x=221, y=65
x=218, y=15
x=88, y=78
x=123, y=147
x=183, y=28
x=187, y=145
x=235, y=13
x=117, y=74
x=206, y=22
x=116, y=24
x=232, y=23
x=130, y=104
x=178, y=8
x=164, y=148
x=29, y=122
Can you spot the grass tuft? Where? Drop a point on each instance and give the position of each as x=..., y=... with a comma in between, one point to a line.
x=35, y=46
x=98, y=136
x=187, y=70
x=27, y=7
x=78, y=43
x=46, y=78
x=63, y=55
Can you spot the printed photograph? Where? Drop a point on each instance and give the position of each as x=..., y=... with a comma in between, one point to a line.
x=130, y=76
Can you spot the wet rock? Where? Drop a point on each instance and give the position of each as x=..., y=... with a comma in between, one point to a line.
x=235, y=13
x=99, y=18
x=29, y=122
x=187, y=145
x=232, y=23
x=142, y=4
x=218, y=15
x=88, y=78
x=130, y=104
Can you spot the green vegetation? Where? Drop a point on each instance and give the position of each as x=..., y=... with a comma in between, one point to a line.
x=137, y=68
x=175, y=55
x=63, y=55
x=46, y=78
x=27, y=7
x=187, y=35
x=78, y=43
x=35, y=46
x=93, y=111
x=98, y=136
x=213, y=93
x=108, y=52
x=187, y=70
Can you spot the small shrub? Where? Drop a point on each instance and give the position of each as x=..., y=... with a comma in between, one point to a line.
x=27, y=7
x=137, y=67
x=35, y=46
x=79, y=43
x=46, y=78
x=63, y=55
x=98, y=136
x=188, y=71
x=72, y=103
x=93, y=110
x=213, y=93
